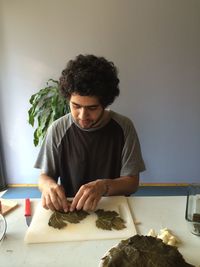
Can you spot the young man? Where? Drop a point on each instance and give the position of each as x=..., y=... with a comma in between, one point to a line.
x=94, y=151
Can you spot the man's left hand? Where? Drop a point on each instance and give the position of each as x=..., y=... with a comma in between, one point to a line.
x=88, y=196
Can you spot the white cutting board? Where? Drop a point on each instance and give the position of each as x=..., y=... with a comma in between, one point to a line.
x=40, y=232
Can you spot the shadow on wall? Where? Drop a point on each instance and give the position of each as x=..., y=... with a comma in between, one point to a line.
x=3, y=184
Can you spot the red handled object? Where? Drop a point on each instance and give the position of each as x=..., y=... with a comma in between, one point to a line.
x=28, y=211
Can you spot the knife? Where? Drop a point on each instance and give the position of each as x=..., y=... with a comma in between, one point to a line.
x=28, y=211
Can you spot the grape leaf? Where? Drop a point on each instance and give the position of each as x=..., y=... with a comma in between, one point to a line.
x=109, y=219
x=56, y=221
x=58, y=218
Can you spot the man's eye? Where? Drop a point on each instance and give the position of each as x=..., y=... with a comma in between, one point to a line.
x=86, y=108
x=92, y=108
x=76, y=107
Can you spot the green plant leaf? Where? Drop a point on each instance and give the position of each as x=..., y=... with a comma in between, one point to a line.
x=35, y=139
x=47, y=105
x=31, y=117
x=53, y=81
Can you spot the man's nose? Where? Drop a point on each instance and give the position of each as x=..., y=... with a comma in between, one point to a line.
x=83, y=113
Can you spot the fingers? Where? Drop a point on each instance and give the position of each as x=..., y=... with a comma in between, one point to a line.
x=80, y=198
x=63, y=200
x=87, y=197
x=46, y=203
x=54, y=199
x=91, y=205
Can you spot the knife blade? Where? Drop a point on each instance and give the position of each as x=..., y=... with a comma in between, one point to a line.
x=28, y=211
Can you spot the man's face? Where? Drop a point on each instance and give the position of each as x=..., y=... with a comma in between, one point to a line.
x=86, y=110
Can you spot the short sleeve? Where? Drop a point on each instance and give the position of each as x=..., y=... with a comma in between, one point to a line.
x=47, y=159
x=132, y=161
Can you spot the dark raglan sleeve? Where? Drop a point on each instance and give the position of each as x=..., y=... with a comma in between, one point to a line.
x=132, y=161
x=48, y=157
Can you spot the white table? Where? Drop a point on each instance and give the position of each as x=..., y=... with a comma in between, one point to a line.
x=167, y=212
x=152, y=212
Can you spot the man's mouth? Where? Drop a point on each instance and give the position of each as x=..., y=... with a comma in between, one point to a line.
x=85, y=123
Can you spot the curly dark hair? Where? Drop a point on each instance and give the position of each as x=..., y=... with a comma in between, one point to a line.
x=89, y=75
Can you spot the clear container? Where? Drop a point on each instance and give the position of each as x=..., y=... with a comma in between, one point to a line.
x=192, y=213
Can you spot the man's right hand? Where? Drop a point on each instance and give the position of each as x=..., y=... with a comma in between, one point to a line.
x=53, y=194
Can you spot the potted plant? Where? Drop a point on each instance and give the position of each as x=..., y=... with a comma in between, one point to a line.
x=47, y=105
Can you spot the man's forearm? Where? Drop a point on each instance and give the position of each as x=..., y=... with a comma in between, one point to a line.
x=125, y=185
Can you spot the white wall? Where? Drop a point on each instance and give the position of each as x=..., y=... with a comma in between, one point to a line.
x=154, y=43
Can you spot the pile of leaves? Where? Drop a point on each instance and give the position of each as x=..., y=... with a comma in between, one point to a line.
x=139, y=251
x=109, y=220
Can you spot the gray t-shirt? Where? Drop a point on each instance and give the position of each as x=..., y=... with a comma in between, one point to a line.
x=78, y=156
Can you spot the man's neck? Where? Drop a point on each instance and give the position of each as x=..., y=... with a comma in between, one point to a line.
x=103, y=119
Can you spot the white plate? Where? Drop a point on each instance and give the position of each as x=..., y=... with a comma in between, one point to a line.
x=106, y=254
